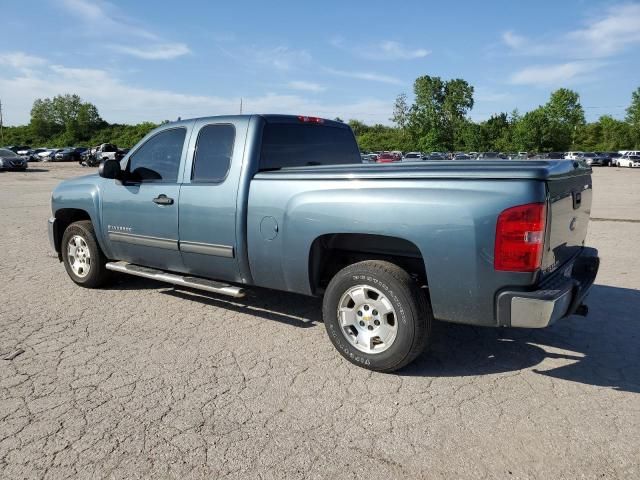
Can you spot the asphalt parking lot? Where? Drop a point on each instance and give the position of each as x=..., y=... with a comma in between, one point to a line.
x=144, y=380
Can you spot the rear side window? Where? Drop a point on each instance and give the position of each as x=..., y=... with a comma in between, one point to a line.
x=214, y=150
x=292, y=145
x=158, y=160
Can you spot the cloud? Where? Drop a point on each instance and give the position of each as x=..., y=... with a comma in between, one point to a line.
x=554, y=75
x=619, y=29
x=20, y=60
x=155, y=52
x=102, y=19
x=513, y=40
x=120, y=102
x=615, y=30
x=368, y=76
x=306, y=86
x=385, y=50
x=281, y=58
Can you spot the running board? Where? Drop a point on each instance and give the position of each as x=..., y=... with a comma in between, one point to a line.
x=162, y=276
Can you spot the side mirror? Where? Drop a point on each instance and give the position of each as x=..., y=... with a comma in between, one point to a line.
x=110, y=169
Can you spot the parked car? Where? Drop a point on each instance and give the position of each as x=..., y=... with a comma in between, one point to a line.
x=10, y=160
x=412, y=157
x=283, y=202
x=631, y=161
x=23, y=150
x=573, y=155
x=50, y=155
x=435, y=156
x=604, y=158
x=19, y=149
x=70, y=154
x=461, y=156
x=387, y=157
x=614, y=158
x=591, y=159
x=491, y=156
x=35, y=154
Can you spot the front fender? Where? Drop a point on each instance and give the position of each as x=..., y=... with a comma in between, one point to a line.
x=83, y=193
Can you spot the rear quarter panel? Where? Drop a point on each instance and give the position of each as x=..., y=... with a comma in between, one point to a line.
x=452, y=222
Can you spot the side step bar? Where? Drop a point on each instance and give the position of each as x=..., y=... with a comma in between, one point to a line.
x=175, y=279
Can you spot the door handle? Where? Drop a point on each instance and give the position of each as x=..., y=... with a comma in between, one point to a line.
x=162, y=199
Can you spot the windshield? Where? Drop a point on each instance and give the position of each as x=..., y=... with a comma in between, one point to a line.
x=589, y=155
x=6, y=153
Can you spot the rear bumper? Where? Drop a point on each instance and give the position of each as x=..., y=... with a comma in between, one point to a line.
x=553, y=299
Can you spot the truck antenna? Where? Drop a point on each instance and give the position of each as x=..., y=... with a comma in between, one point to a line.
x=240, y=105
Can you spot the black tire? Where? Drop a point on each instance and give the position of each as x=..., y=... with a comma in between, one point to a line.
x=414, y=315
x=98, y=274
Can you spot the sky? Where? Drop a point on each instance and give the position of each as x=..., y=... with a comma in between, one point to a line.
x=153, y=60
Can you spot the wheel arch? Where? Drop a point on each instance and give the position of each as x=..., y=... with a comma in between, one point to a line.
x=65, y=217
x=331, y=252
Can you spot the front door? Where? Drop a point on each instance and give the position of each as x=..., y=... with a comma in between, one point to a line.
x=140, y=214
x=208, y=200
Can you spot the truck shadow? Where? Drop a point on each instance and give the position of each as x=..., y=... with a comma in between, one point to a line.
x=601, y=350
x=290, y=309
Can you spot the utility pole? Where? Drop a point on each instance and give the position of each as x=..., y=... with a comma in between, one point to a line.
x=240, y=105
x=1, y=130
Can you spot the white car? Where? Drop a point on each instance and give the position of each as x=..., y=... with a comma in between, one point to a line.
x=412, y=157
x=630, y=161
x=573, y=155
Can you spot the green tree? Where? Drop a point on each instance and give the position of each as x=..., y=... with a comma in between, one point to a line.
x=66, y=116
x=565, y=115
x=633, y=118
x=439, y=111
x=401, y=111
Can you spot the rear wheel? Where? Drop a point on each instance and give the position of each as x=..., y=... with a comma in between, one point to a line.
x=83, y=259
x=377, y=316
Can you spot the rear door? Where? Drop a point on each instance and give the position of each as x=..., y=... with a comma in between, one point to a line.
x=208, y=199
x=140, y=216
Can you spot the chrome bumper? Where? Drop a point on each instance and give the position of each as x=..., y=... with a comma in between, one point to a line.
x=555, y=298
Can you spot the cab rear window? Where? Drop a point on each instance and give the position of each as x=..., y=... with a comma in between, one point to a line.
x=300, y=145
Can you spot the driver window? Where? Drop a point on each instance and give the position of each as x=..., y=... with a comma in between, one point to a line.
x=158, y=160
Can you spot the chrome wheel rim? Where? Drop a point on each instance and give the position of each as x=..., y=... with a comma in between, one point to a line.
x=367, y=319
x=78, y=256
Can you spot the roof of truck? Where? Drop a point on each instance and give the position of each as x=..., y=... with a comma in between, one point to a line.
x=269, y=117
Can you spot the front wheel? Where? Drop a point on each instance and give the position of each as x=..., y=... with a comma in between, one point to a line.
x=83, y=259
x=377, y=316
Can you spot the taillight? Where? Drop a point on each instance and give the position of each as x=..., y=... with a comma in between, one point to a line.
x=306, y=119
x=520, y=238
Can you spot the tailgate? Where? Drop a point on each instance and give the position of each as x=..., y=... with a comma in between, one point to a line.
x=567, y=219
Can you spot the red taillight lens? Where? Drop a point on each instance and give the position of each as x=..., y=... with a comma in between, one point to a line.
x=306, y=119
x=520, y=238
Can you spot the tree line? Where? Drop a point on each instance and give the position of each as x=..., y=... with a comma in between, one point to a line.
x=67, y=120
x=437, y=120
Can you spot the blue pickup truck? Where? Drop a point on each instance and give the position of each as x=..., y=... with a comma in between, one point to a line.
x=284, y=202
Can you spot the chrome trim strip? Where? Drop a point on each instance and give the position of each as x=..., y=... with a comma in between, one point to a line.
x=144, y=240
x=207, y=249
